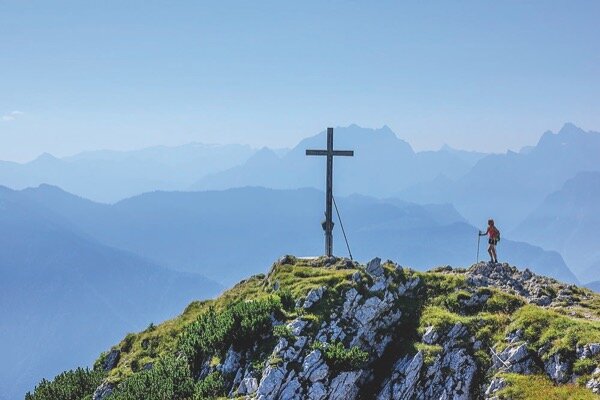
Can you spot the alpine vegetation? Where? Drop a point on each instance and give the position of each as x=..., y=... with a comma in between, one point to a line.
x=329, y=328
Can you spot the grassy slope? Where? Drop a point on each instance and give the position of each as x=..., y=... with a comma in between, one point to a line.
x=438, y=304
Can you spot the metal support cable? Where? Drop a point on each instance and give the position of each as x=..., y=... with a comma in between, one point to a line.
x=342, y=226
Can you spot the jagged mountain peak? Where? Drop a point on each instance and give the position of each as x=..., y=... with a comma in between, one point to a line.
x=569, y=129
x=355, y=135
x=330, y=328
x=568, y=134
x=45, y=158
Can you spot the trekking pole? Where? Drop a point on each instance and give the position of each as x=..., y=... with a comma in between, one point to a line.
x=478, y=241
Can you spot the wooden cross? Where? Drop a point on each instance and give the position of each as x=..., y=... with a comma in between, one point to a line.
x=330, y=153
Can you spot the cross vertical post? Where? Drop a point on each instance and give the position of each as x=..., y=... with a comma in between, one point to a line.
x=329, y=153
x=329, y=195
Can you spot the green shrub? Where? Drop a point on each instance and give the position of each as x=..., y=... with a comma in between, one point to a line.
x=287, y=299
x=340, y=358
x=240, y=325
x=283, y=331
x=69, y=385
x=211, y=386
x=584, y=366
x=127, y=342
x=170, y=378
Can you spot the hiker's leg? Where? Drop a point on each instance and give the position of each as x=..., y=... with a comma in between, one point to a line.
x=494, y=252
x=491, y=253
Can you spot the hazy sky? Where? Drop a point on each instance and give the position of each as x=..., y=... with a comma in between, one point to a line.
x=485, y=75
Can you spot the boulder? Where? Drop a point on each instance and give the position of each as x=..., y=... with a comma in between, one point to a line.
x=314, y=367
x=317, y=391
x=247, y=386
x=103, y=391
x=111, y=360
x=557, y=369
x=374, y=267
x=271, y=382
x=343, y=386
x=231, y=363
x=313, y=296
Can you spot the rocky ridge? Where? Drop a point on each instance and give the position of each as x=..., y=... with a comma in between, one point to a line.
x=385, y=332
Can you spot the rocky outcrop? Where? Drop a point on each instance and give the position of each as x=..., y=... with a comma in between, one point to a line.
x=536, y=289
x=378, y=312
x=103, y=391
x=111, y=360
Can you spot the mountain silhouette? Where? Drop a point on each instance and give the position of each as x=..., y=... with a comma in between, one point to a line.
x=206, y=232
x=62, y=290
x=567, y=221
x=383, y=164
x=109, y=176
x=508, y=186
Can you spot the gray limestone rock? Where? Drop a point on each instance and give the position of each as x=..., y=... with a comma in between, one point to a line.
x=297, y=325
x=496, y=384
x=231, y=363
x=314, y=367
x=317, y=391
x=103, y=391
x=111, y=360
x=430, y=336
x=291, y=389
x=594, y=383
x=374, y=267
x=247, y=386
x=313, y=296
x=515, y=358
x=557, y=369
x=403, y=381
x=343, y=386
x=271, y=382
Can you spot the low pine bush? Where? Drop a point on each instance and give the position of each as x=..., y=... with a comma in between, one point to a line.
x=340, y=358
x=69, y=385
x=240, y=326
x=170, y=379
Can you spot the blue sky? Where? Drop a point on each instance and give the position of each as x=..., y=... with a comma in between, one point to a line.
x=477, y=75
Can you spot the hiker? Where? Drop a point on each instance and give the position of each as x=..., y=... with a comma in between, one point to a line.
x=494, y=237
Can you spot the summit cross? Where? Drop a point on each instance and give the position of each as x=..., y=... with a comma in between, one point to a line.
x=329, y=153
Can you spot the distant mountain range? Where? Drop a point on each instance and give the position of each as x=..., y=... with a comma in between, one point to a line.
x=567, y=221
x=509, y=186
x=505, y=186
x=208, y=232
x=382, y=165
x=109, y=176
x=62, y=290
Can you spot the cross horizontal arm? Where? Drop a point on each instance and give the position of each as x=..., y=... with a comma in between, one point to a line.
x=316, y=152
x=347, y=153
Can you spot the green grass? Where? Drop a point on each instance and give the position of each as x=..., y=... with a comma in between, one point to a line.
x=430, y=352
x=241, y=317
x=535, y=387
x=484, y=326
x=299, y=279
x=541, y=326
x=441, y=284
x=139, y=349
